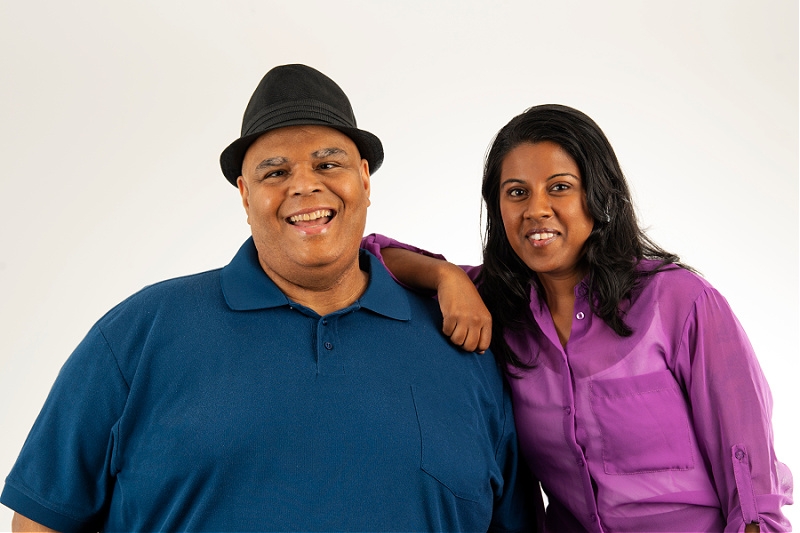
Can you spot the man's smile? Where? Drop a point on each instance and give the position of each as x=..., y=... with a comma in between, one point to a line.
x=313, y=218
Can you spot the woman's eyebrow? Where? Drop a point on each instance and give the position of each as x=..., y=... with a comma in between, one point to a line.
x=561, y=174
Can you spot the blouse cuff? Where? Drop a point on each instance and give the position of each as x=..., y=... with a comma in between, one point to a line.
x=744, y=483
x=763, y=509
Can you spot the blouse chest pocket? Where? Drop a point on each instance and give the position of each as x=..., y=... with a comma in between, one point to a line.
x=644, y=424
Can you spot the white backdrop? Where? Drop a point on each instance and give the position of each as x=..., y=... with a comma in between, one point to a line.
x=113, y=115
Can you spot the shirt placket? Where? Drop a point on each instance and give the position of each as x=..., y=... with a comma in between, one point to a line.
x=580, y=325
x=329, y=360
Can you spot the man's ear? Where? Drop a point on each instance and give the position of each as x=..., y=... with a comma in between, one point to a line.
x=365, y=177
x=245, y=192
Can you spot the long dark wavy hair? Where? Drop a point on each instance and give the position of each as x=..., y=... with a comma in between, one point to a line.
x=612, y=251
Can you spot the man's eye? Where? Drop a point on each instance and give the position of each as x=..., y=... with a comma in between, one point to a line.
x=275, y=174
x=327, y=166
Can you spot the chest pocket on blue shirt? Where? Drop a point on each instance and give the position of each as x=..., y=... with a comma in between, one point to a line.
x=455, y=450
x=644, y=424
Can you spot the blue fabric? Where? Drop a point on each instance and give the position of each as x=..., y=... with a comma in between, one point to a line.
x=212, y=403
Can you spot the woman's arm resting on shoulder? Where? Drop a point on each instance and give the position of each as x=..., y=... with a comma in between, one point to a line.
x=466, y=320
x=21, y=523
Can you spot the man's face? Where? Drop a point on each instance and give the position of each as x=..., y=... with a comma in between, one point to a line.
x=306, y=192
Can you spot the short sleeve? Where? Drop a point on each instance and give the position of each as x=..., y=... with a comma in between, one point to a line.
x=64, y=473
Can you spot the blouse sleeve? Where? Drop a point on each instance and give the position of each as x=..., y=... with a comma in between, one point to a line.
x=732, y=408
x=374, y=242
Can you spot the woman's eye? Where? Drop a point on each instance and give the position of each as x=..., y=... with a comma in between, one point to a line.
x=516, y=193
x=558, y=187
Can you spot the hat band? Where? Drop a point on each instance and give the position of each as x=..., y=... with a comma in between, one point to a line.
x=295, y=110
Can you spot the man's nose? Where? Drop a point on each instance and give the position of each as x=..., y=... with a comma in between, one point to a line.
x=304, y=180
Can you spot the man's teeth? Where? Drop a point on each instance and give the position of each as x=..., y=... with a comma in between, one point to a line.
x=305, y=217
x=542, y=236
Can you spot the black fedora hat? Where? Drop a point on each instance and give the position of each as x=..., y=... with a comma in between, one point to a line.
x=296, y=95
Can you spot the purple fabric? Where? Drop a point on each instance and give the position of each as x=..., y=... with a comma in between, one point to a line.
x=666, y=430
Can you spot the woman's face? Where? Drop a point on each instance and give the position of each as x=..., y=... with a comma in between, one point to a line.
x=544, y=210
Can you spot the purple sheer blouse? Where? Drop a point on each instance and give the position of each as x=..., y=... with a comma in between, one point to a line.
x=666, y=430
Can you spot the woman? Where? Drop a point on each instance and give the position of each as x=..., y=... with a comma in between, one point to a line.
x=639, y=402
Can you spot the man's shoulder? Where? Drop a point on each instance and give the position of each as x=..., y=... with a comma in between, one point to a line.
x=175, y=292
x=189, y=282
x=423, y=333
x=180, y=286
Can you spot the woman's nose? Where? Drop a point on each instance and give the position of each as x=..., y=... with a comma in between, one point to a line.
x=538, y=206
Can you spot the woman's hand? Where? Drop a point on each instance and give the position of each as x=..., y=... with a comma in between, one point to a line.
x=465, y=318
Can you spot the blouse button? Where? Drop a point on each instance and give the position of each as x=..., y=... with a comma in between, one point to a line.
x=568, y=410
x=580, y=462
x=739, y=454
x=580, y=315
x=593, y=518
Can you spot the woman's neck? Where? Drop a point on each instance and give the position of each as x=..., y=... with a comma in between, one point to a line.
x=559, y=294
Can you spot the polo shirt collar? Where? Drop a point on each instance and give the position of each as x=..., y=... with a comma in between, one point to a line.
x=383, y=295
x=247, y=287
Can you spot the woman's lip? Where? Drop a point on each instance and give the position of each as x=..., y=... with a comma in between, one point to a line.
x=542, y=237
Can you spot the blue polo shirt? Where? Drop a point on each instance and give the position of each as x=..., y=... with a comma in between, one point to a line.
x=213, y=403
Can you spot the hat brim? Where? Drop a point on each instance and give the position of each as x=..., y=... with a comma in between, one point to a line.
x=369, y=147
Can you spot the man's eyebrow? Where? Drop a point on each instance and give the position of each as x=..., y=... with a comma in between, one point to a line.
x=272, y=162
x=327, y=152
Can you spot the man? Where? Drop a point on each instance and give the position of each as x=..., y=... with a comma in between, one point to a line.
x=297, y=389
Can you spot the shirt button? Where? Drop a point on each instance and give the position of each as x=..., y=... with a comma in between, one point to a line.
x=580, y=315
x=324, y=322
x=739, y=454
x=328, y=346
